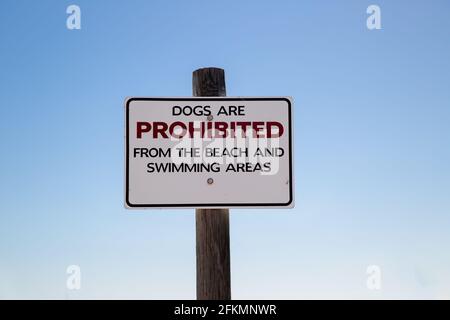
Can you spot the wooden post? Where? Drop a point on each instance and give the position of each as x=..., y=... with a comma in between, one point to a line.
x=212, y=225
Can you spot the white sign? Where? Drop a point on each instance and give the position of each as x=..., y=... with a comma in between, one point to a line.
x=208, y=152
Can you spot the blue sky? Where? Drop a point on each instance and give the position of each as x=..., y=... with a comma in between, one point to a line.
x=372, y=156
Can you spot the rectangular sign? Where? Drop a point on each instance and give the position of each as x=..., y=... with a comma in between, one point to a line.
x=212, y=152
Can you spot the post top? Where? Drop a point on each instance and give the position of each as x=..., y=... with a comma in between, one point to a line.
x=209, y=68
x=208, y=82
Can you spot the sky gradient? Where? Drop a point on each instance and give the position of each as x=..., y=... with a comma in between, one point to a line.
x=372, y=146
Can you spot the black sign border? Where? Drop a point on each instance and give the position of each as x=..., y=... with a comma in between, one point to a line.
x=208, y=205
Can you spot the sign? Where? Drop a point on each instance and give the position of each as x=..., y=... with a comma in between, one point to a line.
x=211, y=152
